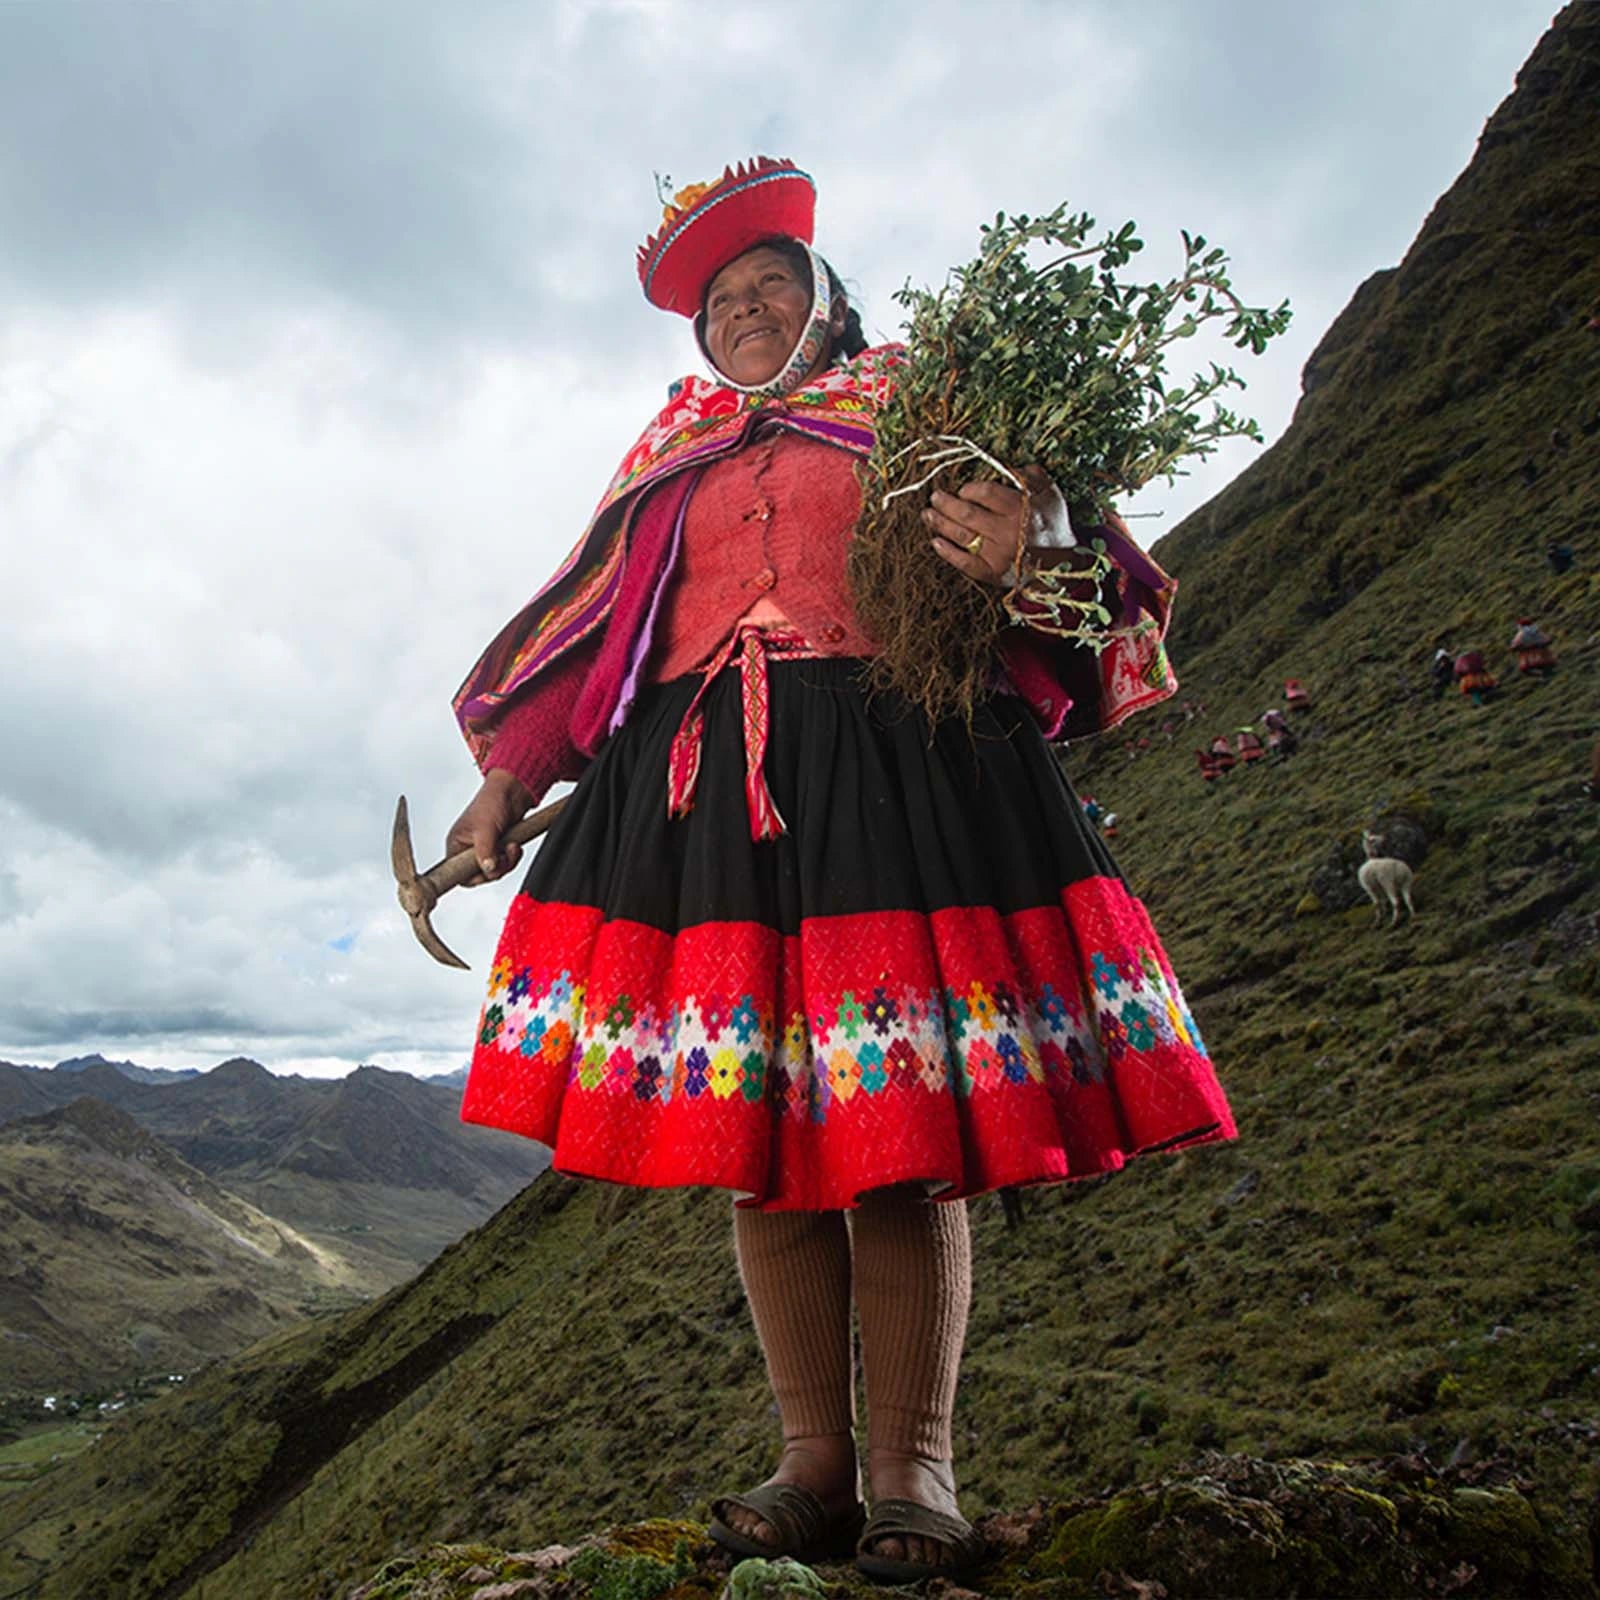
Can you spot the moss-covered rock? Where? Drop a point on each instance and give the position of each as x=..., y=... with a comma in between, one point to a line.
x=1232, y=1525
x=1249, y=1528
x=647, y=1561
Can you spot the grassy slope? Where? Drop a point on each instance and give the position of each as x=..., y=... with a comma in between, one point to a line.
x=1389, y=1257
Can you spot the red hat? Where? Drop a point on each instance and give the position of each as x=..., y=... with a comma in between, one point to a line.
x=707, y=224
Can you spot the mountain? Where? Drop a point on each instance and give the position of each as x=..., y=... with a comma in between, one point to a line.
x=122, y=1258
x=376, y=1166
x=1392, y=1272
x=1445, y=491
x=22, y=1093
x=128, y=1069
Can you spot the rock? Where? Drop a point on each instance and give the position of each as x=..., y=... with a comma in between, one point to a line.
x=1227, y=1525
x=1333, y=880
x=1403, y=837
x=542, y=1560
x=1244, y=1527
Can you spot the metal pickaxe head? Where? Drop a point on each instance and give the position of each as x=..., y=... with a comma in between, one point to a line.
x=417, y=895
x=420, y=892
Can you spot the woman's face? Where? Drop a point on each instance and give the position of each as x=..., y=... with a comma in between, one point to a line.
x=756, y=309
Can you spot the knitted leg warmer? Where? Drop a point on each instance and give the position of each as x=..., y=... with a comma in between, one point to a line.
x=913, y=1283
x=796, y=1271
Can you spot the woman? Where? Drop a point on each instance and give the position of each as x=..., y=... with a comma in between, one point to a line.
x=788, y=940
x=1531, y=646
x=1473, y=677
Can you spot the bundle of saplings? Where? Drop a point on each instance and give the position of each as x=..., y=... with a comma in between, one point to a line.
x=1035, y=353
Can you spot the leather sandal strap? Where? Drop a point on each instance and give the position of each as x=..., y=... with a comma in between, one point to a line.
x=897, y=1518
x=792, y=1509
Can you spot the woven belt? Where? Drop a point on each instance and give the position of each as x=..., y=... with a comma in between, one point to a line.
x=749, y=647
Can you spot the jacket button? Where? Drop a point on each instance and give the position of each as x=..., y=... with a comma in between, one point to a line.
x=832, y=634
x=766, y=578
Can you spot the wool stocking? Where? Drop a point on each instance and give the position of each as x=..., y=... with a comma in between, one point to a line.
x=796, y=1271
x=913, y=1284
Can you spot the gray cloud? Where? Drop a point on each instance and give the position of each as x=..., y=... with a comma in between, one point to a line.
x=287, y=148
x=319, y=336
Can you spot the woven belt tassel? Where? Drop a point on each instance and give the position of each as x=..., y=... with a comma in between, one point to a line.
x=765, y=822
x=750, y=647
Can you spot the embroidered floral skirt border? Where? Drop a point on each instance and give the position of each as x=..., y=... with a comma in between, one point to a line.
x=935, y=975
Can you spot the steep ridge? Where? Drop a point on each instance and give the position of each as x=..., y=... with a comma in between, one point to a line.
x=1424, y=404
x=21, y=1092
x=377, y=1167
x=1398, y=1257
x=121, y=1258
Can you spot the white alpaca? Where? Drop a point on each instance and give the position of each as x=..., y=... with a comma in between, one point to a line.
x=1388, y=875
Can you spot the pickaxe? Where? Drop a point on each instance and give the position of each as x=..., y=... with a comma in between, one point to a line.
x=420, y=891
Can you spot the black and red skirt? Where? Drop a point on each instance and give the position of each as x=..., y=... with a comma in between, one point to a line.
x=936, y=974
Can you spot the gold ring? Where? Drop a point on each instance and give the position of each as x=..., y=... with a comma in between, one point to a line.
x=974, y=545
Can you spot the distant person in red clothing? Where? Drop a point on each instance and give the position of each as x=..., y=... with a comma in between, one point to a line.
x=1532, y=649
x=1295, y=695
x=1473, y=677
x=792, y=940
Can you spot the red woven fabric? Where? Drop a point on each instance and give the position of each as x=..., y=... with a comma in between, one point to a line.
x=534, y=740
x=967, y=1048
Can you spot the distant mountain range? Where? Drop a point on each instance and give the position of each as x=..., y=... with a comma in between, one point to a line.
x=364, y=1178
x=129, y=1069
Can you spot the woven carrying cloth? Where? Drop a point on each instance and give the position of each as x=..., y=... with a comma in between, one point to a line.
x=935, y=974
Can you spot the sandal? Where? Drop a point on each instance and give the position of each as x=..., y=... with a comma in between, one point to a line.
x=805, y=1531
x=897, y=1519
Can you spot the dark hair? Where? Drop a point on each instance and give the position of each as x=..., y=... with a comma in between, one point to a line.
x=849, y=343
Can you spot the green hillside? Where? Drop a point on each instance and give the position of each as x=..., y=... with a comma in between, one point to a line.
x=1397, y=1264
x=123, y=1259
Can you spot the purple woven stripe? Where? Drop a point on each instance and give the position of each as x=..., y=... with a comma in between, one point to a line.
x=853, y=434
x=581, y=625
x=1130, y=557
x=647, y=633
x=594, y=608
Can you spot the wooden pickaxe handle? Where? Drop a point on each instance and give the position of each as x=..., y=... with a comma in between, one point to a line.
x=419, y=892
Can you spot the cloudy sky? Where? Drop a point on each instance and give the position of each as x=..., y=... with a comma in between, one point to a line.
x=319, y=336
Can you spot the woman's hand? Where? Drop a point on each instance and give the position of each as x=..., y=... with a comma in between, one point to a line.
x=976, y=530
x=500, y=801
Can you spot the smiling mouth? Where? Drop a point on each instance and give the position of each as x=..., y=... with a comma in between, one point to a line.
x=753, y=333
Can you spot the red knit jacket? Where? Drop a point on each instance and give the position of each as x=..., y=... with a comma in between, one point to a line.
x=772, y=521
